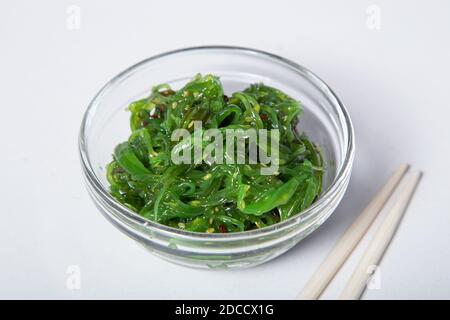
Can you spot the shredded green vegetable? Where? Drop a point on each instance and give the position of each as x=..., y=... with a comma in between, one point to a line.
x=205, y=196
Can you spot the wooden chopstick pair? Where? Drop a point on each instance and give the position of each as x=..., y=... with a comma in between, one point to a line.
x=352, y=236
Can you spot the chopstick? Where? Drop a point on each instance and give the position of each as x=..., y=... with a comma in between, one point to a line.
x=383, y=236
x=347, y=243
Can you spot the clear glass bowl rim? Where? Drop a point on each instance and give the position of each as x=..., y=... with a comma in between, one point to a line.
x=305, y=215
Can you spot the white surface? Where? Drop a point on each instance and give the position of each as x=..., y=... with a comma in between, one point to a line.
x=394, y=82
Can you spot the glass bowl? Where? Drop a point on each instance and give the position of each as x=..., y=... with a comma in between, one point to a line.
x=325, y=120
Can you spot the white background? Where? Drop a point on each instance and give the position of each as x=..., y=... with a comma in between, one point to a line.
x=394, y=81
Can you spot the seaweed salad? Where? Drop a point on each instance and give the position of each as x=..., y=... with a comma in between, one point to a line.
x=215, y=196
